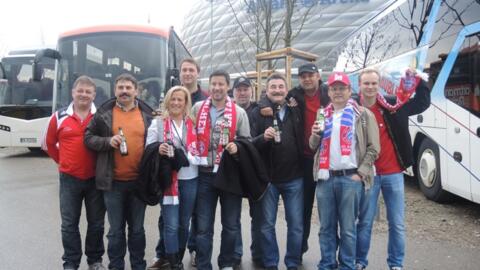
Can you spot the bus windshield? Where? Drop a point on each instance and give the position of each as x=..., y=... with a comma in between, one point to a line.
x=105, y=55
x=20, y=89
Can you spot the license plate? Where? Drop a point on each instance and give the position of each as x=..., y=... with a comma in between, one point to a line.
x=28, y=140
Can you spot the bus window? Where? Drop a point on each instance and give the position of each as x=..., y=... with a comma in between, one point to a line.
x=462, y=85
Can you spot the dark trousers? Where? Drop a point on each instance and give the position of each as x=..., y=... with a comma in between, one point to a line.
x=309, y=196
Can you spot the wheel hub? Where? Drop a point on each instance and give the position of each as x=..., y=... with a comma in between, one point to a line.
x=428, y=168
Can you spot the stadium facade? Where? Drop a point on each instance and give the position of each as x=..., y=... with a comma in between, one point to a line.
x=213, y=34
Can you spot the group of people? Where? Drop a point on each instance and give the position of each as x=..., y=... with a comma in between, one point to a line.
x=314, y=140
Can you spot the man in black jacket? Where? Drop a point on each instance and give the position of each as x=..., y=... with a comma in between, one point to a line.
x=283, y=161
x=116, y=171
x=396, y=155
x=310, y=95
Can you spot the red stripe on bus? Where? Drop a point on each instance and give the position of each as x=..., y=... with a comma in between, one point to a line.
x=451, y=117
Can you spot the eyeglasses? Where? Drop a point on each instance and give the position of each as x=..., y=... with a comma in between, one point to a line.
x=338, y=88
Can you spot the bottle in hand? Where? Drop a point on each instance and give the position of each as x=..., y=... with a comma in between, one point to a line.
x=123, y=144
x=277, y=138
x=321, y=119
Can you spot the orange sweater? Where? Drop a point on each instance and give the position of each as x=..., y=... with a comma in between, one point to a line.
x=126, y=167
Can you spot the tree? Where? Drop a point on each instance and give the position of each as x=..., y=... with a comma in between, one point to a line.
x=259, y=23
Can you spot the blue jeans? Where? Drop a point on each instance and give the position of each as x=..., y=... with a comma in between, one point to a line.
x=338, y=202
x=123, y=208
x=73, y=192
x=207, y=196
x=292, y=195
x=174, y=221
x=392, y=189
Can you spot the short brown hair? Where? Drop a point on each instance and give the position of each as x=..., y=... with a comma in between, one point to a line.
x=276, y=76
x=191, y=61
x=84, y=79
x=127, y=77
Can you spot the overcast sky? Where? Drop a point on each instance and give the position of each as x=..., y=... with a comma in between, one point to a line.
x=26, y=23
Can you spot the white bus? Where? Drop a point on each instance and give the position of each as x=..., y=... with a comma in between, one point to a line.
x=442, y=39
x=25, y=105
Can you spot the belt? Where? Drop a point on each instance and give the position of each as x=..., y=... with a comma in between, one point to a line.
x=343, y=172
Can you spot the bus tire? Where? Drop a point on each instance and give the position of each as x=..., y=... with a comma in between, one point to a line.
x=427, y=171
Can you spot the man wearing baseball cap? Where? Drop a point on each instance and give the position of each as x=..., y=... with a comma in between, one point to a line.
x=346, y=149
x=310, y=95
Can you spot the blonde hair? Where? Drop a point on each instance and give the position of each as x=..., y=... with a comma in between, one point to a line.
x=367, y=71
x=168, y=97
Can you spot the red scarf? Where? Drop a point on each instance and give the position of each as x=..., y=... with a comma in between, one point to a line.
x=170, y=195
x=204, y=126
x=346, y=135
x=408, y=85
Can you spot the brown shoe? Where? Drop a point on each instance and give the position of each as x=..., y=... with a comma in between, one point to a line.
x=159, y=264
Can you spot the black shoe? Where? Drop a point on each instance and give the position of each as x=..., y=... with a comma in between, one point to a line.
x=257, y=262
x=271, y=268
x=292, y=268
x=175, y=263
x=160, y=264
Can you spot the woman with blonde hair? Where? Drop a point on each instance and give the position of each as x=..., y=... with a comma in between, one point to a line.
x=175, y=129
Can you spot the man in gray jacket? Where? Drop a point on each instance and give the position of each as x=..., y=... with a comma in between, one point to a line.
x=218, y=121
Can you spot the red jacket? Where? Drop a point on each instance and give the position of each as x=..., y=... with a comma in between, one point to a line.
x=63, y=142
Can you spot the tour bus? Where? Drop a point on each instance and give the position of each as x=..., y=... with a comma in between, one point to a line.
x=25, y=105
x=441, y=39
x=103, y=52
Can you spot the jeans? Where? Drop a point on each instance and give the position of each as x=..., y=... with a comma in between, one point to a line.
x=392, y=189
x=207, y=196
x=309, y=196
x=174, y=221
x=123, y=208
x=292, y=195
x=338, y=202
x=73, y=192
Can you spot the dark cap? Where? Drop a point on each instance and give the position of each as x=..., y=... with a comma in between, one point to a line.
x=242, y=80
x=309, y=67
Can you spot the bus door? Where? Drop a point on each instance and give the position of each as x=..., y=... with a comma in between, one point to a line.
x=474, y=56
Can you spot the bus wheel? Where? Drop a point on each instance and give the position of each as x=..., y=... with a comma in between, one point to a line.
x=428, y=172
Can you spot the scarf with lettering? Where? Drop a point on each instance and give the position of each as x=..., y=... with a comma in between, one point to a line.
x=408, y=85
x=170, y=195
x=346, y=135
x=204, y=127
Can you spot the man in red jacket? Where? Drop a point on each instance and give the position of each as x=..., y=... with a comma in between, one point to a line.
x=63, y=142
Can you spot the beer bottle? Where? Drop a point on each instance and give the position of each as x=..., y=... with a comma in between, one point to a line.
x=171, y=152
x=277, y=138
x=225, y=138
x=123, y=144
x=321, y=119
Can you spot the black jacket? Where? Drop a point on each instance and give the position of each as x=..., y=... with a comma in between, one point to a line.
x=97, y=138
x=289, y=162
x=243, y=174
x=155, y=175
x=397, y=123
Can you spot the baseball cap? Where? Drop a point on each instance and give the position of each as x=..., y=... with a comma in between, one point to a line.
x=338, y=77
x=309, y=67
x=242, y=80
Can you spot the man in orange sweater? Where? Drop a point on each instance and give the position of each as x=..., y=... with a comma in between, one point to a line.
x=117, y=169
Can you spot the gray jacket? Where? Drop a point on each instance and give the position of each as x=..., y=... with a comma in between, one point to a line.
x=367, y=146
x=97, y=138
x=243, y=128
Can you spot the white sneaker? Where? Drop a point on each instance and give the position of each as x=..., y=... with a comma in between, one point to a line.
x=227, y=268
x=96, y=266
x=396, y=268
x=193, y=258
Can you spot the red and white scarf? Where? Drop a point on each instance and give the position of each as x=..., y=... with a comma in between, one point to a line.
x=408, y=85
x=204, y=126
x=346, y=136
x=170, y=195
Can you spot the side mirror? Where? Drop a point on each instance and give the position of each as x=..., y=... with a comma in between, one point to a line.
x=36, y=67
x=173, y=75
x=3, y=74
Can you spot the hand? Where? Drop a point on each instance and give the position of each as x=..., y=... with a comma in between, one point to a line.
x=316, y=128
x=292, y=102
x=356, y=177
x=115, y=141
x=269, y=134
x=163, y=149
x=267, y=111
x=231, y=148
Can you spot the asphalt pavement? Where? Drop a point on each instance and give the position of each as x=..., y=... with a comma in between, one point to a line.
x=30, y=226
